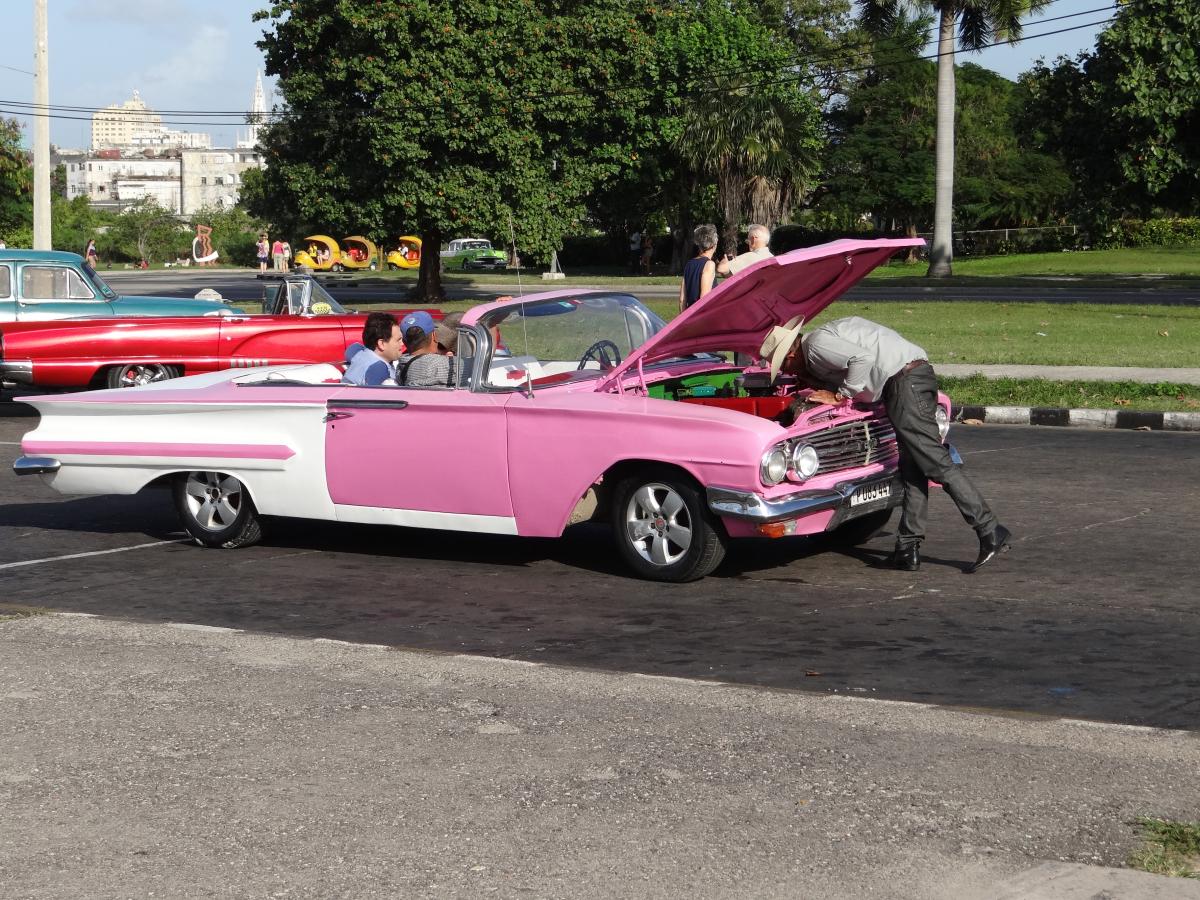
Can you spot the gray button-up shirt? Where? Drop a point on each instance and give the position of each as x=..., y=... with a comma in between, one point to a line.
x=856, y=357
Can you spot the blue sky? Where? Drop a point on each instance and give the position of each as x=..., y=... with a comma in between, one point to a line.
x=188, y=55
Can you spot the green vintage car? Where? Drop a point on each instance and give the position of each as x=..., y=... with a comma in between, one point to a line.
x=472, y=253
x=51, y=284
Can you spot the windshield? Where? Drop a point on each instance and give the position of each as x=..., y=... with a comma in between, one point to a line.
x=98, y=283
x=476, y=245
x=567, y=338
x=306, y=298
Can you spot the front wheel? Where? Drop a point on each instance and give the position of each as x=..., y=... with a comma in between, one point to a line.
x=134, y=374
x=373, y=267
x=663, y=528
x=216, y=510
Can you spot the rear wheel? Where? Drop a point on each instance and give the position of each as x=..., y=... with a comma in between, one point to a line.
x=216, y=510
x=134, y=374
x=663, y=528
x=337, y=267
x=860, y=530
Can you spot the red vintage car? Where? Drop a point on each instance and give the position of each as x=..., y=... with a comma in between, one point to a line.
x=302, y=323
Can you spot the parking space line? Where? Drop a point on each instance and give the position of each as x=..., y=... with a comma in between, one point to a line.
x=50, y=559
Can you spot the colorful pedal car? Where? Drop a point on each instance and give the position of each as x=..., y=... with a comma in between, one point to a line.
x=320, y=253
x=407, y=254
x=472, y=253
x=595, y=413
x=360, y=253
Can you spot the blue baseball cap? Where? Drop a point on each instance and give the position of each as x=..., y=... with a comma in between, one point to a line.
x=419, y=319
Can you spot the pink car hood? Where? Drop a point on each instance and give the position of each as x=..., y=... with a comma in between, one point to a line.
x=737, y=314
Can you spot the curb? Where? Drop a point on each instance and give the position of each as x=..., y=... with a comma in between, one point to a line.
x=1079, y=418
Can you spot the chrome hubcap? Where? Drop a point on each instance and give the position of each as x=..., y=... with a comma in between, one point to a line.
x=658, y=525
x=132, y=376
x=213, y=500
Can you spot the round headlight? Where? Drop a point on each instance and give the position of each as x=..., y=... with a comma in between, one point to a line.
x=943, y=421
x=805, y=460
x=774, y=466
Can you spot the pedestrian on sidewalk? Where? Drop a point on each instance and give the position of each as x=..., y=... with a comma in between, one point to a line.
x=262, y=250
x=277, y=255
x=699, y=271
x=853, y=359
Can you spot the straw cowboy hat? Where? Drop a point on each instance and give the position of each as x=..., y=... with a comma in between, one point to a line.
x=779, y=341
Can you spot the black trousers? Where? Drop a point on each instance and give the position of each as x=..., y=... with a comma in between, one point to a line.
x=911, y=399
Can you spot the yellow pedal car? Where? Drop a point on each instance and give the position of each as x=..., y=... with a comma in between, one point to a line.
x=320, y=253
x=360, y=253
x=407, y=255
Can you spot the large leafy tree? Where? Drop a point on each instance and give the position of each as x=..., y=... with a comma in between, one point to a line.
x=882, y=136
x=974, y=24
x=452, y=117
x=1125, y=118
x=16, y=182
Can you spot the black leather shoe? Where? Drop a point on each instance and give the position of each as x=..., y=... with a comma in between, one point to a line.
x=990, y=545
x=907, y=559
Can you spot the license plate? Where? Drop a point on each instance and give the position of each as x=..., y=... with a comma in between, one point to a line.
x=869, y=493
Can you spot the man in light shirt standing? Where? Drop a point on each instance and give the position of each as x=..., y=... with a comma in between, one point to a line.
x=854, y=359
x=758, y=237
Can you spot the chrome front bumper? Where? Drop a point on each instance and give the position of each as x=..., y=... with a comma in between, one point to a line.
x=756, y=508
x=17, y=371
x=36, y=465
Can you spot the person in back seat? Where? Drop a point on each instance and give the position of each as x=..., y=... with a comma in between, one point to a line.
x=423, y=365
x=375, y=363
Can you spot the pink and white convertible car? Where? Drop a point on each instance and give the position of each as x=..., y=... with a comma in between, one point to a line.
x=595, y=409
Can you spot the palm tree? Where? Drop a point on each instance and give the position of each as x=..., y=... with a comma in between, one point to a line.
x=760, y=145
x=979, y=23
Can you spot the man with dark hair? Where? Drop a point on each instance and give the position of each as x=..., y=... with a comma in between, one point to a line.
x=422, y=365
x=853, y=359
x=375, y=363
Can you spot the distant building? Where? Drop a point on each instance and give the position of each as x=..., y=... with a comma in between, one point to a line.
x=214, y=177
x=134, y=157
x=133, y=125
x=258, y=115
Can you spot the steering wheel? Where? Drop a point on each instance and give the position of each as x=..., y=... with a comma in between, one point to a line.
x=600, y=352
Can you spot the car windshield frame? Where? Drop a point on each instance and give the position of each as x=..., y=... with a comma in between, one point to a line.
x=525, y=327
x=92, y=276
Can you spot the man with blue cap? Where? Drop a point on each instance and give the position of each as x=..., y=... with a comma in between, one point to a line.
x=422, y=365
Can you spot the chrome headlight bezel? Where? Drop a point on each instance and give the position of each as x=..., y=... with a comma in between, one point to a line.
x=804, y=460
x=943, y=422
x=773, y=463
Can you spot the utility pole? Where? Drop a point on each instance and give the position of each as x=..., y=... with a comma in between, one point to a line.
x=41, y=130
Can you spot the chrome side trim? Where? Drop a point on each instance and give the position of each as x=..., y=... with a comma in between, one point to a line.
x=17, y=371
x=749, y=505
x=36, y=465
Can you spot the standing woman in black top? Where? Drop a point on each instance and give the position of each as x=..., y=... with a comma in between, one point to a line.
x=700, y=270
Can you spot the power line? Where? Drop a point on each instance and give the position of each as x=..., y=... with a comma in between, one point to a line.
x=33, y=110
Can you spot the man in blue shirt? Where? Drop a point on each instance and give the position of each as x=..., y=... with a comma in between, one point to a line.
x=375, y=364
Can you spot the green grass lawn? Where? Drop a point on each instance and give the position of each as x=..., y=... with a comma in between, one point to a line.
x=1130, y=261
x=1160, y=397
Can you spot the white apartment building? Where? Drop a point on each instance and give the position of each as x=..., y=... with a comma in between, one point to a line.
x=134, y=125
x=116, y=182
x=214, y=177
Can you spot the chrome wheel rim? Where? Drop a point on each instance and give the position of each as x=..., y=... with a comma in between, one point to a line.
x=658, y=525
x=137, y=374
x=213, y=500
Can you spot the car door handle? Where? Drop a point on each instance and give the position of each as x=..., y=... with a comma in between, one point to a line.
x=333, y=416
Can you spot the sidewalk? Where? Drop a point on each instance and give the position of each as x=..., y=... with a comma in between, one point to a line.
x=186, y=760
x=1078, y=418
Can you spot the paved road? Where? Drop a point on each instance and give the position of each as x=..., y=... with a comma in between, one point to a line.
x=1093, y=614
x=245, y=285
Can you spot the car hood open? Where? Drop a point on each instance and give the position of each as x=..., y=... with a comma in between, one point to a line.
x=737, y=314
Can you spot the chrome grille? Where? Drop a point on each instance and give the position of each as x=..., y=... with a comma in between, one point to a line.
x=854, y=444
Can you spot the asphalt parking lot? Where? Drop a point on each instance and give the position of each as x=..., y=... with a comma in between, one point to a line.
x=1093, y=614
